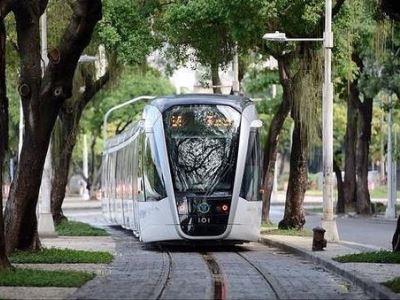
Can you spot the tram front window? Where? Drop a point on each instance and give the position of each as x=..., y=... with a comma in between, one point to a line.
x=202, y=142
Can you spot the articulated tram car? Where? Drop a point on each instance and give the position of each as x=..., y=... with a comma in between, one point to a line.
x=188, y=170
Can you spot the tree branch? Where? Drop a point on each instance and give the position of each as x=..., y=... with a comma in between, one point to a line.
x=86, y=14
x=335, y=10
x=92, y=88
x=5, y=7
x=337, y=7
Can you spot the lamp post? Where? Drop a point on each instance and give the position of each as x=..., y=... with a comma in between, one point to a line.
x=328, y=220
x=45, y=219
x=85, y=155
x=390, y=212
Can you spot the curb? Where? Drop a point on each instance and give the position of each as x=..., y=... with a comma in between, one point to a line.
x=373, y=289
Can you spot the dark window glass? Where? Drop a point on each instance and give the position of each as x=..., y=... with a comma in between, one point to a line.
x=251, y=183
x=202, y=142
x=152, y=178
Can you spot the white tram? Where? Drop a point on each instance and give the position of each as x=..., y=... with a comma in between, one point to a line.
x=188, y=170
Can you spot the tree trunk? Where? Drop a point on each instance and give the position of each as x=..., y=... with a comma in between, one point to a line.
x=271, y=143
x=41, y=101
x=65, y=139
x=215, y=80
x=63, y=144
x=396, y=237
x=4, y=263
x=364, y=139
x=298, y=180
x=349, y=184
x=340, y=206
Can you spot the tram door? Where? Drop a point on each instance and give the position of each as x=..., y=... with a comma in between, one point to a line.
x=113, y=194
x=129, y=219
x=139, y=195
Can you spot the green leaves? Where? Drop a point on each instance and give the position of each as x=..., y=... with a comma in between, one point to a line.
x=212, y=28
x=126, y=32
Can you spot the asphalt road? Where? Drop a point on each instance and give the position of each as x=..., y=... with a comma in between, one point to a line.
x=372, y=231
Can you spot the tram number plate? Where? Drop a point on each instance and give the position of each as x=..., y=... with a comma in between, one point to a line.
x=204, y=220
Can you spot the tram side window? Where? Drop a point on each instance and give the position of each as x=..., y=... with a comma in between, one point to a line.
x=154, y=187
x=251, y=183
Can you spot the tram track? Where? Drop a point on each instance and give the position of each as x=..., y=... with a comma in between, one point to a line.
x=166, y=274
x=219, y=282
x=263, y=275
x=217, y=276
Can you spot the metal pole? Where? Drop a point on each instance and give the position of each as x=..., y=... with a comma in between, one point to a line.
x=236, y=83
x=21, y=129
x=328, y=221
x=85, y=167
x=390, y=208
x=45, y=222
x=394, y=182
x=107, y=114
x=382, y=163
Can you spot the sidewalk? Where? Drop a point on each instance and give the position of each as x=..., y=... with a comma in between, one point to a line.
x=79, y=203
x=77, y=243
x=367, y=276
x=280, y=198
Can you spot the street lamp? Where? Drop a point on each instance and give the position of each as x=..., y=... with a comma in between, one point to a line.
x=328, y=220
x=87, y=58
x=280, y=37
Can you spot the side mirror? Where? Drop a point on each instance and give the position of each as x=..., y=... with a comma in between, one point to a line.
x=255, y=124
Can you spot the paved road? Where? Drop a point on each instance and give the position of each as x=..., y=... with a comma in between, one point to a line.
x=376, y=232
x=253, y=271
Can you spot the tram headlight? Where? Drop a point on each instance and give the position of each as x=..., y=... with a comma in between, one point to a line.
x=223, y=209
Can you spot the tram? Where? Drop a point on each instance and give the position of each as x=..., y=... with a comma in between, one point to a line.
x=190, y=169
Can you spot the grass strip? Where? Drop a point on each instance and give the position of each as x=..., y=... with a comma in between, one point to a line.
x=393, y=284
x=42, y=278
x=74, y=228
x=61, y=256
x=271, y=229
x=381, y=257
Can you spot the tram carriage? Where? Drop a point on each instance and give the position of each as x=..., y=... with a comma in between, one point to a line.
x=188, y=170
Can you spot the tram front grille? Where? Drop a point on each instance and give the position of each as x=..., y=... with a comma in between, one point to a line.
x=203, y=215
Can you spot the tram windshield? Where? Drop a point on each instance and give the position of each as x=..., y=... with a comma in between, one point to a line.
x=202, y=142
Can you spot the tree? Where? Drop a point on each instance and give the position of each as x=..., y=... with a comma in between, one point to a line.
x=271, y=142
x=65, y=136
x=125, y=33
x=391, y=8
x=41, y=100
x=4, y=263
x=210, y=32
x=363, y=75
x=296, y=19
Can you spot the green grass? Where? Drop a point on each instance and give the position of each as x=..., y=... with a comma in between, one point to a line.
x=61, y=256
x=377, y=192
x=314, y=192
x=382, y=257
x=73, y=228
x=42, y=278
x=271, y=229
x=313, y=209
x=393, y=284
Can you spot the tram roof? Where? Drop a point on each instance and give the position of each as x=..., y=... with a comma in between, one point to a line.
x=237, y=102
